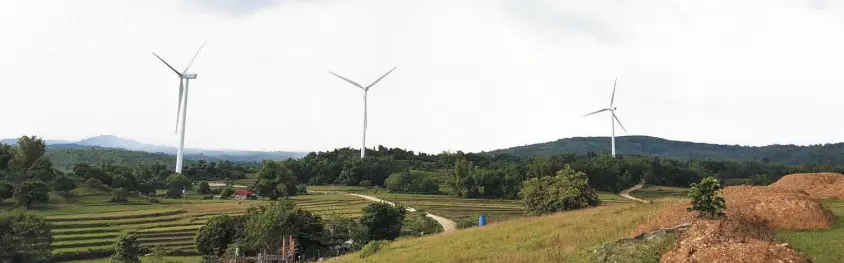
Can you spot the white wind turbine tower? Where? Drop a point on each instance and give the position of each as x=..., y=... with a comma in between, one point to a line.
x=181, y=113
x=613, y=118
x=365, y=91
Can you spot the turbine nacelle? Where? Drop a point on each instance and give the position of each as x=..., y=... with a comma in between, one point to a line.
x=189, y=75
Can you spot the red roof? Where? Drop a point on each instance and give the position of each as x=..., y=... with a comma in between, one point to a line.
x=242, y=192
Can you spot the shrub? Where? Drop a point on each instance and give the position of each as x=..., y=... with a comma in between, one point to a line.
x=467, y=222
x=119, y=195
x=705, y=198
x=216, y=191
x=568, y=190
x=418, y=224
x=301, y=189
x=365, y=183
x=96, y=184
x=373, y=246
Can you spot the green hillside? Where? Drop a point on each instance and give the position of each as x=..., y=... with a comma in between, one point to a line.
x=652, y=146
x=65, y=158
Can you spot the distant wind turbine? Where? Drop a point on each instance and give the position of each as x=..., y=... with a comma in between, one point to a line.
x=181, y=113
x=365, y=92
x=613, y=118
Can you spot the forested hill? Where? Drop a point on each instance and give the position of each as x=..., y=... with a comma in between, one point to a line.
x=652, y=146
x=65, y=156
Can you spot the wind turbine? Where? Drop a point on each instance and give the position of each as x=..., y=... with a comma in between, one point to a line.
x=181, y=113
x=365, y=92
x=613, y=118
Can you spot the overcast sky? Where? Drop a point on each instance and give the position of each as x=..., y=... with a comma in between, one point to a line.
x=472, y=74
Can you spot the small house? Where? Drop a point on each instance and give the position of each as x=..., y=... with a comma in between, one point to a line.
x=243, y=194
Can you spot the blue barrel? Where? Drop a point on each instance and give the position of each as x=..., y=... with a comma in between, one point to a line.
x=481, y=220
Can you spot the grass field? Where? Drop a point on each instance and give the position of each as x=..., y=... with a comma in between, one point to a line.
x=562, y=237
x=820, y=246
x=654, y=192
x=86, y=224
x=453, y=207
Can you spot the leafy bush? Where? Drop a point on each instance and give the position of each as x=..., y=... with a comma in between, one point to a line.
x=568, y=190
x=418, y=224
x=301, y=189
x=373, y=246
x=467, y=222
x=216, y=191
x=705, y=198
x=119, y=195
x=365, y=183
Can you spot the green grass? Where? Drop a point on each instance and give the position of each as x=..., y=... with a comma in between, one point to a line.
x=562, y=237
x=823, y=245
x=655, y=192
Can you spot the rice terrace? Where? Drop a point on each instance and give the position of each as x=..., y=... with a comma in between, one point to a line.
x=389, y=131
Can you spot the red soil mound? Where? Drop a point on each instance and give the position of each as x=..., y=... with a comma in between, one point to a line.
x=731, y=240
x=818, y=185
x=780, y=208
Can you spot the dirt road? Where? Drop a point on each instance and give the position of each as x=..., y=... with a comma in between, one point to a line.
x=626, y=192
x=448, y=225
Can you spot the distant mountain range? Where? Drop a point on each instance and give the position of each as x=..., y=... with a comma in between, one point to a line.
x=110, y=141
x=651, y=146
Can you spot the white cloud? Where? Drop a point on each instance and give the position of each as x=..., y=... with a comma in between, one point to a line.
x=472, y=75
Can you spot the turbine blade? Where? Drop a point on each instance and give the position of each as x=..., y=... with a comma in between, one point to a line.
x=613, y=91
x=379, y=79
x=168, y=65
x=350, y=81
x=619, y=122
x=194, y=56
x=179, y=105
x=602, y=110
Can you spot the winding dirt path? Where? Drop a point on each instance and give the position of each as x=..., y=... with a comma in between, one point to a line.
x=626, y=193
x=448, y=225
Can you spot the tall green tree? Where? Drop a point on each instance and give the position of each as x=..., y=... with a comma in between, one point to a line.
x=64, y=184
x=218, y=233
x=7, y=190
x=382, y=221
x=267, y=229
x=31, y=192
x=29, y=150
x=127, y=249
x=275, y=180
x=26, y=237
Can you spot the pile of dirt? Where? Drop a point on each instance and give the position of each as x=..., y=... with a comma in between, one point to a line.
x=730, y=240
x=817, y=185
x=780, y=208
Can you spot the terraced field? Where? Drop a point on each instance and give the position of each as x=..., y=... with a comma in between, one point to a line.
x=173, y=226
x=453, y=207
